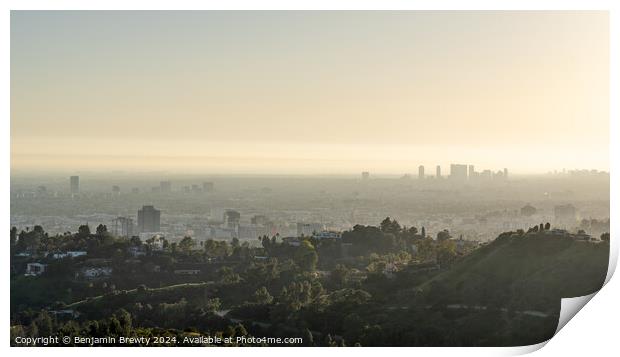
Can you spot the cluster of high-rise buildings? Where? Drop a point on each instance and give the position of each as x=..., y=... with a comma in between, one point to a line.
x=149, y=221
x=458, y=172
x=462, y=172
x=164, y=187
x=149, y=224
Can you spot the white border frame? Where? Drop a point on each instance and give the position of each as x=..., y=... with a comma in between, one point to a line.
x=592, y=332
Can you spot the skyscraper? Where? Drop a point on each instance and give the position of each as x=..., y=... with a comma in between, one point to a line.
x=505, y=173
x=148, y=219
x=365, y=175
x=231, y=218
x=471, y=172
x=421, y=171
x=438, y=171
x=123, y=227
x=458, y=172
x=74, y=184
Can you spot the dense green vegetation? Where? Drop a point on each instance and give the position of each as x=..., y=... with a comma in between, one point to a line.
x=376, y=286
x=530, y=271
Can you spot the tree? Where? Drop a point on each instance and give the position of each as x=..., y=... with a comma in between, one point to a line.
x=70, y=328
x=547, y=226
x=386, y=224
x=446, y=252
x=368, y=239
x=102, y=230
x=340, y=275
x=38, y=229
x=299, y=294
x=33, y=329
x=84, y=230
x=262, y=296
x=44, y=324
x=605, y=237
x=186, y=244
x=390, y=226
x=213, y=305
x=124, y=318
x=425, y=249
x=240, y=330
x=306, y=257
x=266, y=242
x=135, y=241
x=216, y=249
x=443, y=235
x=92, y=328
x=17, y=331
x=115, y=326
x=13, y=236
x=423, y=232
x=228, y=275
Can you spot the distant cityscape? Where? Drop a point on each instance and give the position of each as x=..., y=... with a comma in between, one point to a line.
x=234, y=211
x=458, y=172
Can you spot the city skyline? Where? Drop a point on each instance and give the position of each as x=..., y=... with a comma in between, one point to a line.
x=411, y=171
x=308, y=93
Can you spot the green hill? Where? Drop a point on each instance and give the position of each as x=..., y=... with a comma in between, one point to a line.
x=506, y=293
x=523, y=272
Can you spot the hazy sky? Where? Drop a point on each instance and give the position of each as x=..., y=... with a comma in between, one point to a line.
x=308, y=92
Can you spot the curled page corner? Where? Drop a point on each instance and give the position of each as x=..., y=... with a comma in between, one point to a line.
x=523, y=350
x=570, y=307
x=613, y=260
